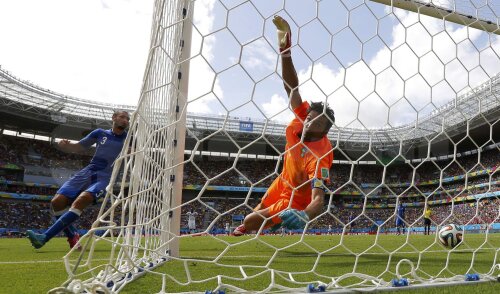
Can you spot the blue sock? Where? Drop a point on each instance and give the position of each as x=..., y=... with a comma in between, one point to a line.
x=69, y=231
x=65, y=220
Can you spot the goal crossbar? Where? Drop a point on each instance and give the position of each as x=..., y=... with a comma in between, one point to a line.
x=446, y=14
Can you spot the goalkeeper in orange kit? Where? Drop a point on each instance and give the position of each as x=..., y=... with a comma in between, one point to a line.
x=297, y=195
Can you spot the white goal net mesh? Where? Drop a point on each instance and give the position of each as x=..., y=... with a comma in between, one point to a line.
x=416, y=98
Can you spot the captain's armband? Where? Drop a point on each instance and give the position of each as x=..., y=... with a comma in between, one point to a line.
x=318, y=184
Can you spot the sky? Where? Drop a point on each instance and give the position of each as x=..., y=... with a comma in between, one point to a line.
x=384, y=69
x=87, y=49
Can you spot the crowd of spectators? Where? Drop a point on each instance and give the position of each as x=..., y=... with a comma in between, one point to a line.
x=27, y=214
x=22, y=188
x=10, y=150
x=25, y=151
x=345, y=179
x=9, y=177
x=215, y=213
x=222, y=171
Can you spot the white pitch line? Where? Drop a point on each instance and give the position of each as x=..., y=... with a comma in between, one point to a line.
x=250, y=256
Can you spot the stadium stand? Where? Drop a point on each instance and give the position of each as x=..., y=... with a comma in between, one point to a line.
x=24, y=198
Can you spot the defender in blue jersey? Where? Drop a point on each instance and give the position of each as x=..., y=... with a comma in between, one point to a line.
x=400, y=224
x=89, y=184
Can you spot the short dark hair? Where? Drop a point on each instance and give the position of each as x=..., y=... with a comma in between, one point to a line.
x=321, y=108
x=116, y=112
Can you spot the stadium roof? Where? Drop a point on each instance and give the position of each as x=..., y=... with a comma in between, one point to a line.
x=473, y=108
x=33, y=97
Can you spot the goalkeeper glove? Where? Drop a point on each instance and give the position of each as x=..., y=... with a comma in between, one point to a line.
x=284, y=35
x=294, y=219
x=276, y=227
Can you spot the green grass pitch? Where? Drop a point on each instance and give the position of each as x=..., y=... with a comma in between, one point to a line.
x=26, y=270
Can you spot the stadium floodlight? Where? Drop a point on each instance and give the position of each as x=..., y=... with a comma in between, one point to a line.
x=394, y=72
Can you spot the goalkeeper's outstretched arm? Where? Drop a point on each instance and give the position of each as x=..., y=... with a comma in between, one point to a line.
x=290, y=78
x=316, y=206
x=294, y=219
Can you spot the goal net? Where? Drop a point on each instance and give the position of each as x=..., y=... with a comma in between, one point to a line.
x=415, y=90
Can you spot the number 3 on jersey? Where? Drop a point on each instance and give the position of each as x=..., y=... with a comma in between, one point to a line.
x=104, y=140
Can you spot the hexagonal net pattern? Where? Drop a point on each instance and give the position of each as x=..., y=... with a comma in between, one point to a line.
x=415, y=90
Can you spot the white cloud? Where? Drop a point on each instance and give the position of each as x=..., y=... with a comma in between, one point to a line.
x=445, y=74
x=408, y=75
x=258, y=56
x=89, y=49
x=202, y=84
x=277, y=109
x=98, y=49
x=329, y=86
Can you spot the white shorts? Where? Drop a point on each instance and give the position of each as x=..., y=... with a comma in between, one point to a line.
x=191, y=225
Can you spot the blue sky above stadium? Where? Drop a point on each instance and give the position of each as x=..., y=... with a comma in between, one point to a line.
x=97, y=50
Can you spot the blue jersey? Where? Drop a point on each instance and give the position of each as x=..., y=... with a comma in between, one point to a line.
x=400, y=215
x=401, y=211
x=108, y=147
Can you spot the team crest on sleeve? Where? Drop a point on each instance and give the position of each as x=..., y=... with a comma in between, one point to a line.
x=325, y=173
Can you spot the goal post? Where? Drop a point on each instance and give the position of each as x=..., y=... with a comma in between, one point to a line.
x=217, y=161
x=140, y=215
x=158, y=130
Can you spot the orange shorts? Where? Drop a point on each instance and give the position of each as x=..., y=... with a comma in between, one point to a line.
x=277, y=199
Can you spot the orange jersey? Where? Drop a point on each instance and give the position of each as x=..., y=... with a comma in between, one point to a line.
x=302, y=162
